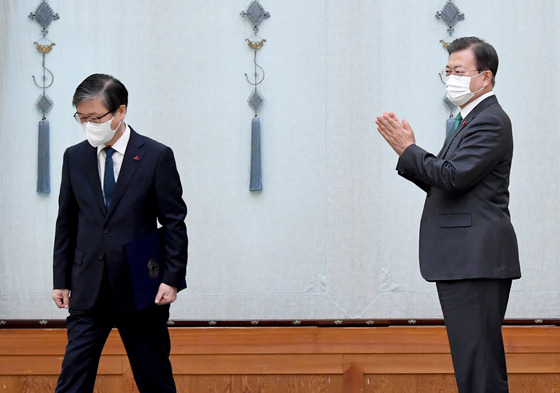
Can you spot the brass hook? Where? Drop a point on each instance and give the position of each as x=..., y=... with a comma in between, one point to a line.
x=259, y=82
x=256, y=65
x=44, y=78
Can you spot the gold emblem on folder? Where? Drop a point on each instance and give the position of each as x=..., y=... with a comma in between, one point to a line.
x=153, y=268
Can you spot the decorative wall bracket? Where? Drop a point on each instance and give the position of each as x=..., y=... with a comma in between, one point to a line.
x=44, y=15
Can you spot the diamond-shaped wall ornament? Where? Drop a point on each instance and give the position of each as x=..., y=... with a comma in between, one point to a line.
x=256, y=14
x=450, y=14
x=255, y=100
x=44, y=15
x=44, y=104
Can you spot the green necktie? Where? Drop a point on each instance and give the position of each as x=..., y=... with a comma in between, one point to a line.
x=456, y=123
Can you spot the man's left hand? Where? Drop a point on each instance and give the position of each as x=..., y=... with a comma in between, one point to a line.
x=166, y=294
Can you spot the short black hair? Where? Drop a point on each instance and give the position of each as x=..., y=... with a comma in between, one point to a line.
x=110, y=89
x=485, y=55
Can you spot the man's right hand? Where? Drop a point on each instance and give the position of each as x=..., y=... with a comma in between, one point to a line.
x=397, y=133
x=61, y=297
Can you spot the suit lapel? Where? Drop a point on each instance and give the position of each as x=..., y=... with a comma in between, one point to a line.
x=88, y=163
x=131, y=161
x=449, y=140
x=464, y=124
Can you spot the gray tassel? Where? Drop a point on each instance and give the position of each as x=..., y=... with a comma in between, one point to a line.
x=449, y=125
x=43, y=159
x=256, y=171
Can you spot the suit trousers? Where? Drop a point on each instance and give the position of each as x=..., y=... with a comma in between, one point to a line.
x=145, y=337
x=474, y=312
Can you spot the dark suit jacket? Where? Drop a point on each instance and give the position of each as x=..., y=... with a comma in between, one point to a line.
x=466, y=231
x=88, y=237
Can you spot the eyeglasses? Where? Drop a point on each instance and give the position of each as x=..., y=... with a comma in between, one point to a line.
x=90, y=119
x=446, y=73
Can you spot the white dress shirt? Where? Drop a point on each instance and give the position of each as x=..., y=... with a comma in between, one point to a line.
x=471, y=105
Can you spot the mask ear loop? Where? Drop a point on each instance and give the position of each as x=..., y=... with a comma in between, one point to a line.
x=119, y=126
x=491, y=75
x=115, y=113
x=480, y=73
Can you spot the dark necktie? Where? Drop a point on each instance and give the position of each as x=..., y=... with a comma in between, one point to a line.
x=456, y=123
x=109, y=177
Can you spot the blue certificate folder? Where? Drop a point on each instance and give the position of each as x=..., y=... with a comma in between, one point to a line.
x=145, y=263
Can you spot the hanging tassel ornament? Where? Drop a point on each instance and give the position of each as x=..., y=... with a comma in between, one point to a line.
x=256, y=171
x=44, y=15
x=43, y=158
x=255, y=101
x=44, y=105
x=451, y=119
x=256, y=14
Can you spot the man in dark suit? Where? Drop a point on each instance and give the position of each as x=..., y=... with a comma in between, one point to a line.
x=467, y=242
x=115, y=188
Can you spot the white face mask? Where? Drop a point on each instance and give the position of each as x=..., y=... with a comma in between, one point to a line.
x=98, y=134
x=459, y=90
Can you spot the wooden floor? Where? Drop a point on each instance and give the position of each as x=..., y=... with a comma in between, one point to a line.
x=289, y=360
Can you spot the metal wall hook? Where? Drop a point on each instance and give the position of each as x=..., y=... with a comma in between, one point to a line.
x=255, y=45
x=259, y=82
x=43, y=86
